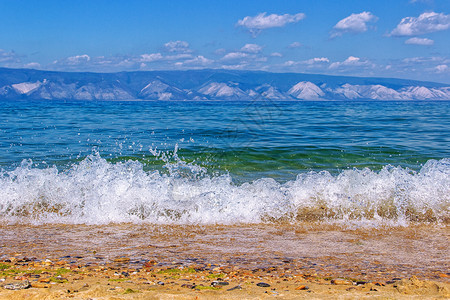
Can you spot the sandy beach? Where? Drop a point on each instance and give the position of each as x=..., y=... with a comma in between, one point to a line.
x=305, y=260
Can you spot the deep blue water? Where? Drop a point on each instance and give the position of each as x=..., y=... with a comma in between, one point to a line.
x=277, y=139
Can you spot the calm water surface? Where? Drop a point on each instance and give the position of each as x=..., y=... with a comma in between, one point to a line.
x=249, y=139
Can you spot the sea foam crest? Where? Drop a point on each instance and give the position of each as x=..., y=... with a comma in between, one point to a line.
x=95, y=191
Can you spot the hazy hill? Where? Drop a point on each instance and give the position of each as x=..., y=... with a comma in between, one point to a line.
x=210, y=85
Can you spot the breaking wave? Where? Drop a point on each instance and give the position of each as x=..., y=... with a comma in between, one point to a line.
x=95, y=191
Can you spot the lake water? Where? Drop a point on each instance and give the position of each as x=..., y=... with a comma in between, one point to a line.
x=224, y=162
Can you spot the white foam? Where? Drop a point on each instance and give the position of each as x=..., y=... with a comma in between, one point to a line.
x=95, y=191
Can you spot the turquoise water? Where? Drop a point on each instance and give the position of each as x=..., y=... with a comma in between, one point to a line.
x=244, y=161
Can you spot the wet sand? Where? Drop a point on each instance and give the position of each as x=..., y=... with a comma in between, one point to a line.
x=155, y=261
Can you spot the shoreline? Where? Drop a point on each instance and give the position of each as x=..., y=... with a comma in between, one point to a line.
x=118, y=261
x=58, y=280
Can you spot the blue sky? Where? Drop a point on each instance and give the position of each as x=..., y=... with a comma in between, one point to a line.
x=395, y=38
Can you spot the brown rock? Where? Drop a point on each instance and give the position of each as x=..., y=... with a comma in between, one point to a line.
x=341, y=282
x=302, y=287
x=20, y=278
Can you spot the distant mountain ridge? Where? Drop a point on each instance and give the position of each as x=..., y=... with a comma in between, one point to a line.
x=210, y=85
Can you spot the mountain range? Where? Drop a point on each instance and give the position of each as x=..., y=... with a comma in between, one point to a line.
x=210, y=85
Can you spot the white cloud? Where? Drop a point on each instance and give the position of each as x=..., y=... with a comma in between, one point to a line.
x=426, y=23
x=350, y=62
x=8, y=57
x=100, y=63
x=248, y=56
x=77, y=60
x=419, y=41
x=235, y=67
x=355, y=23
x=32, y=65
x=177, y=46
x=422, y=66
x=251, y=48
x=441, y=68
x=317, y=63
x=151, y=57
x=263, y=21
x=124, y=62
x=295, y=45
x=199, y=60
x=276, y=54
x=127, y=62
x=316, y=60
x=290, y=63
x=426, y=60
x=235, y=55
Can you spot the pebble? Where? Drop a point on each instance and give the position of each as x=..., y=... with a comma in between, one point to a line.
x=263, y=284
x=341, y=282
x=302, y=287
x=188, y=286
x=238, y=287
x=18, y=285
x=20, y=278
x=160, y=283
x=219, y=283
